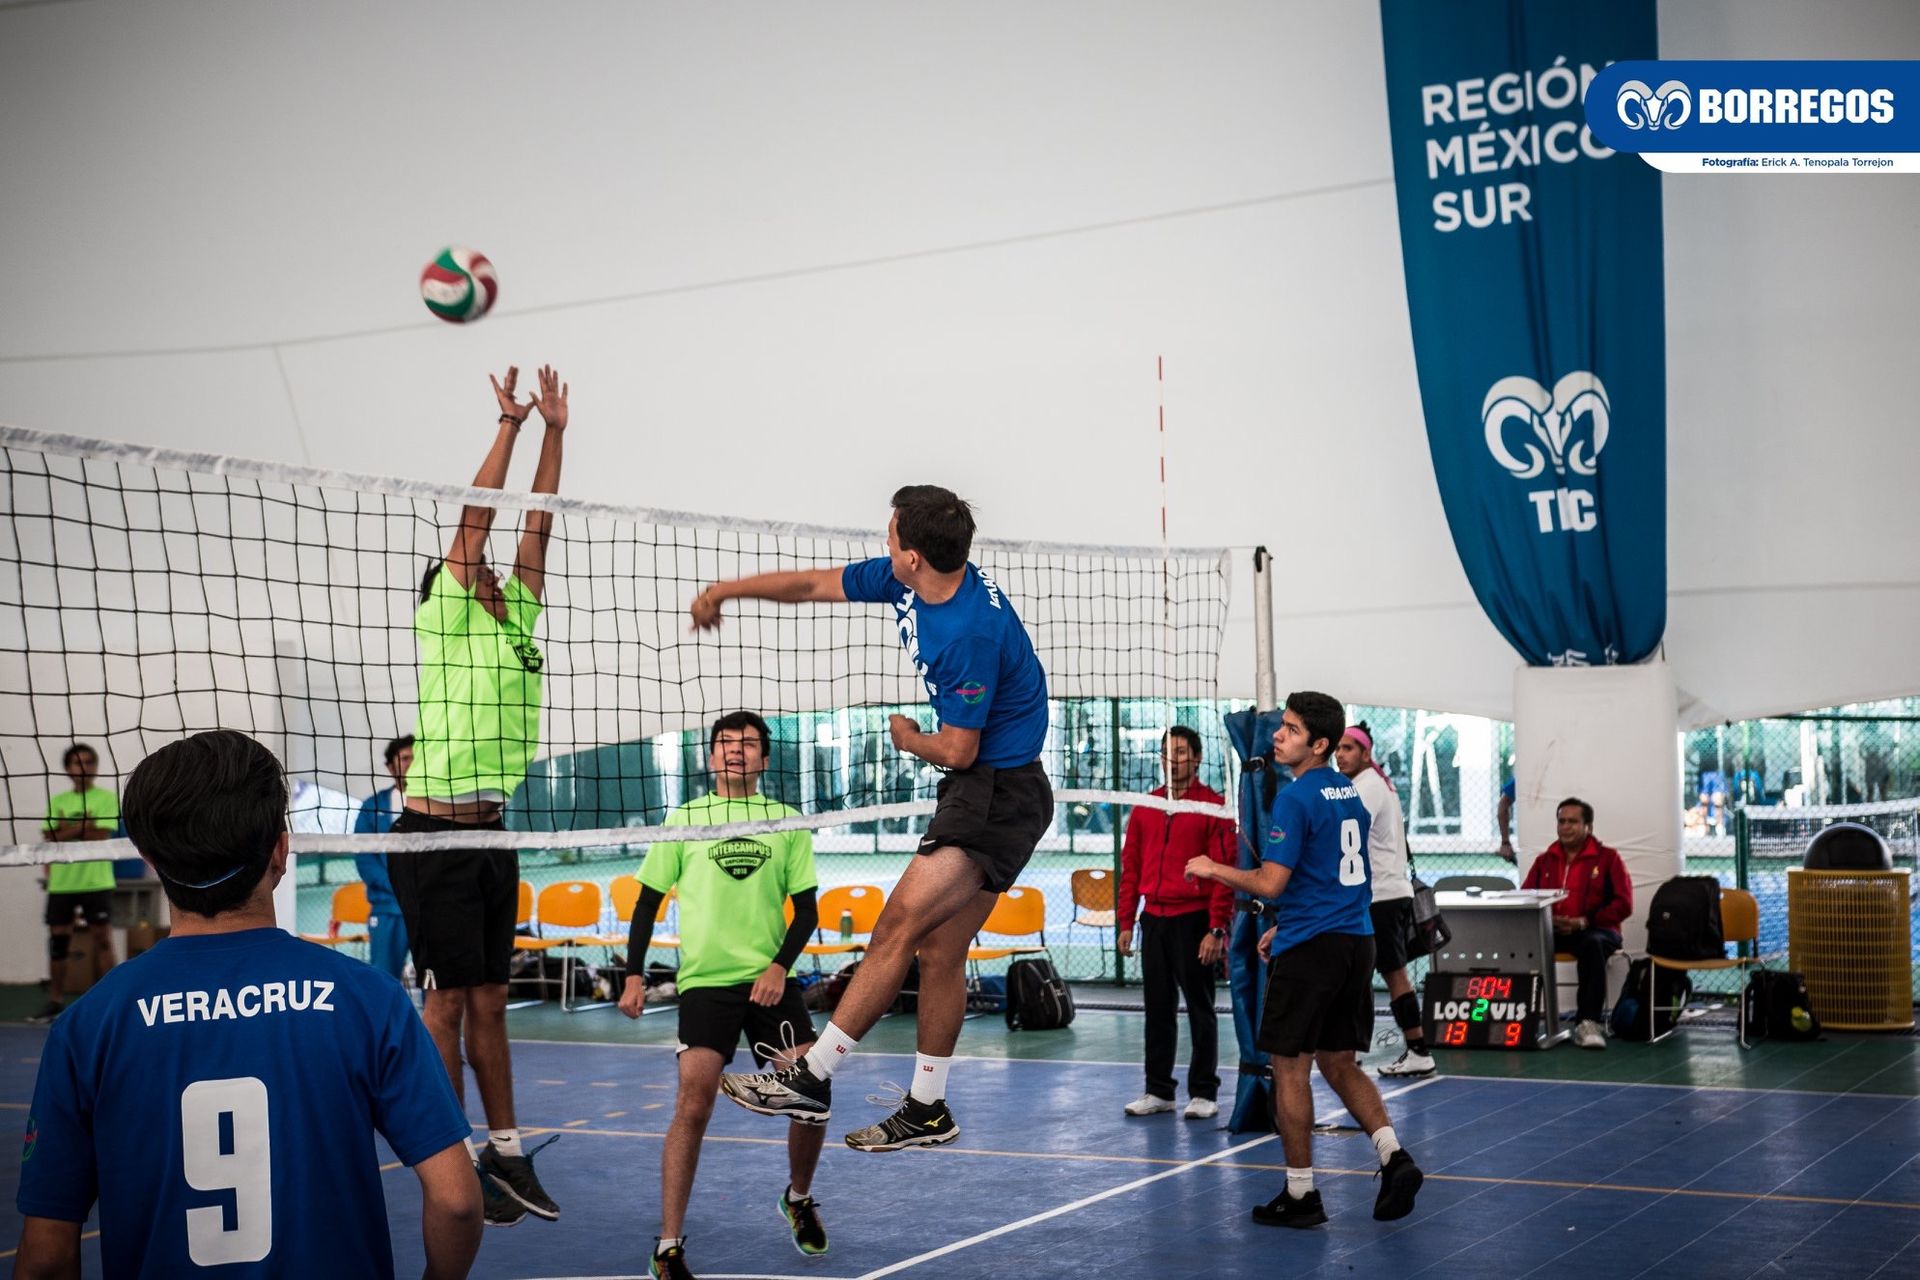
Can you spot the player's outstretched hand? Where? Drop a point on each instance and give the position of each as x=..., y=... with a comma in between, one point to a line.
x=633, y=997
x=509, y=407
x=1266, y=944
x=552, y=400
x=705, y=610
x=1201, y=867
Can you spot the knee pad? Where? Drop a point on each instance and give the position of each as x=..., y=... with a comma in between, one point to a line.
x=1406, y=1011
x=58, y=945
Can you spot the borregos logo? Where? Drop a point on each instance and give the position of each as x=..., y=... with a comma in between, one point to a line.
x=1565, y=428
x=1794, y=106
x=1664, y=108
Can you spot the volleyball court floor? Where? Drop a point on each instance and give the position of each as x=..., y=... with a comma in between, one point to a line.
x=1525, y=1176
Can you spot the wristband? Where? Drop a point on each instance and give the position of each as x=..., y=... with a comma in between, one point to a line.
x=507, y=417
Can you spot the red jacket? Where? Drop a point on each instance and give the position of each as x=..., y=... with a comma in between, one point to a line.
x=1154, y=858
x=1595, y=879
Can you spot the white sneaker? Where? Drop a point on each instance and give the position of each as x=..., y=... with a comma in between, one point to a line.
x=1148, y=1105
x=1411, y=1062
x=1201, y=1109
x=1587, y=1034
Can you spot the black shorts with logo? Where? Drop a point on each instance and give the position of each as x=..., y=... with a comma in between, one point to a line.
x=995, y=816
x=714, y=1018
x=94, y=906
x=1319, y=997
x=459, y=904
x=1392, y=926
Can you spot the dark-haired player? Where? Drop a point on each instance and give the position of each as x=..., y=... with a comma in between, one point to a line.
x=219, y=1094
x=1319, y=1005
x=989, y=697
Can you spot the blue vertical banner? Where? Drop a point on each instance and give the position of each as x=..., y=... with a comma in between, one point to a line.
x=1535, y=286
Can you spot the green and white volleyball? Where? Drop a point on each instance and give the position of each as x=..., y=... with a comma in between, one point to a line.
x=459, y=285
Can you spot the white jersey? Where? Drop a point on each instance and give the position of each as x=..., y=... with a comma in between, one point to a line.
x=1386, y=839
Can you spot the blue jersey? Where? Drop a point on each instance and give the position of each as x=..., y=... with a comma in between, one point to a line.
x=219, y=1095
x=978, y=665
x=376, y=818
x=1319, y=828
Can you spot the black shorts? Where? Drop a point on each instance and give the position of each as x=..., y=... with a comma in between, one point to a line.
x=994, y=816
x=714, y=1017
x=1319, y=997
x=459, y=905
x=94, y=906
x=1392, y=925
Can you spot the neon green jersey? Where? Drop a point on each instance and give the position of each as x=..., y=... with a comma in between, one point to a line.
x=479, y=692
x=733, y=893
x=103, y=807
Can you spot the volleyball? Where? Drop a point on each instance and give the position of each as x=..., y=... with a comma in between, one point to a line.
x=459, y=285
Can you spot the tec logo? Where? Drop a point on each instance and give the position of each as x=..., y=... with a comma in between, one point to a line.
x=970, y=691
x=1276, y=834
x=1664, y=108
x=1565, y=428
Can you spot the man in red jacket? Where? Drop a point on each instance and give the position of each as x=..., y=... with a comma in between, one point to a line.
x=1183, y=932
x=1587, y=921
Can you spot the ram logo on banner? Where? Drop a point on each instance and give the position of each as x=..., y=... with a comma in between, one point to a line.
x=1534, y=282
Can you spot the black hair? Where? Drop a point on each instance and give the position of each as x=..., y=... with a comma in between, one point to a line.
x=426, y=579
x=207, y=811
x=1185, y=735
x=66, y=758
x=398, y=745
x=936, y=522
x=1323, y=716
x=741, y=720
x=1586, y=810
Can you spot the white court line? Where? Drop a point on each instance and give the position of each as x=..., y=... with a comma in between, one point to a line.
x=1108, y=1194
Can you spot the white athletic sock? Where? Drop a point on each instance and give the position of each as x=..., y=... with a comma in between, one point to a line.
x=668, y=1242
x=1386, y=1142
x=829, y=1051
x=929, y=1078
x=505, y=1141
x=1299, y=1182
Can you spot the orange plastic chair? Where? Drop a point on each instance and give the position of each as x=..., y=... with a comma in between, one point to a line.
x=571, y=904
x=1020, y=912
x=1095, y=906
x=1739, y=922
x=350, y=906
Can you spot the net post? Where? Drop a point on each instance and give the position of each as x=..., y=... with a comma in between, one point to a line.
x=1265, y=693
x=1119, y=840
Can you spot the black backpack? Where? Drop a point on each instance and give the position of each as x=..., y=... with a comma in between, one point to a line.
x=1684, y=921
x=1037, y=997
x=1632, y=1019
x=1778, y=1006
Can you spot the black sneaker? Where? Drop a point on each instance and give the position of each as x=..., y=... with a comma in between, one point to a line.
x=669, y=1264
x=1400, y=1180
x=915, y=1124
x=48, y=1013
x=514, y=1175
x=497, y=1207
x=1284, y=1211
x=794, y=1092
x=803, y=1219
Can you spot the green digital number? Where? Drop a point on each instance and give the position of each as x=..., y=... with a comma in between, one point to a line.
x=1479, y=1010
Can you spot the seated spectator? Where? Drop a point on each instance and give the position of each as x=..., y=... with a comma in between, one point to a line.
x=1587, y=921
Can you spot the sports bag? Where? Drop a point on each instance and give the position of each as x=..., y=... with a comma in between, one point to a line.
x=1684, y=921
x=1037, y=997
x=1778, y=1006
x=1632, y=1019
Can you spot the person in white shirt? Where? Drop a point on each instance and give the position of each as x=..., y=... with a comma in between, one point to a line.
x=1392, y=895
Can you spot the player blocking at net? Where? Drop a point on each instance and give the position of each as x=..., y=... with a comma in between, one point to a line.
x=989, y=698
x=480, y=688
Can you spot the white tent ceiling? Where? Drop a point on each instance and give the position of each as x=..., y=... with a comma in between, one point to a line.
x=792, y=256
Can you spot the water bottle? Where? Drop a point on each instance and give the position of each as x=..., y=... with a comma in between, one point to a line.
x=846, y=926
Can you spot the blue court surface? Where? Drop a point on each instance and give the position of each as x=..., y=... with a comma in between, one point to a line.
x=1524, y=1177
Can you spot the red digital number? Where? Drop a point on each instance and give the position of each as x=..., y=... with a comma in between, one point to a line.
x=1454, y=1033
x=1513, y=1035
x=1489, y=988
